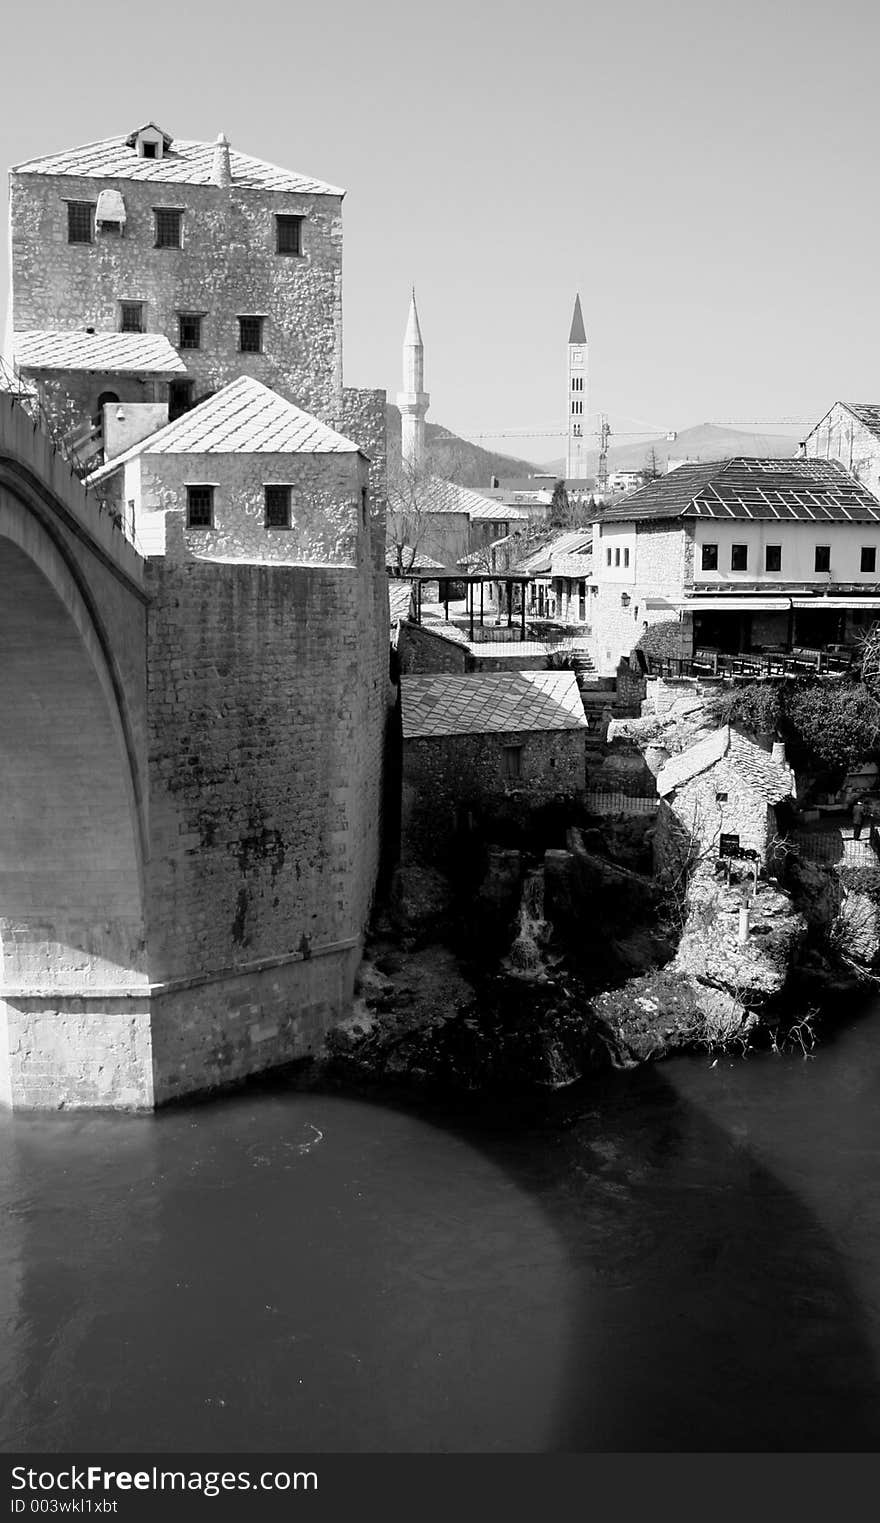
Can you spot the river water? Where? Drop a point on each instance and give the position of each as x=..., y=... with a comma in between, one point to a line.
x=683, y=1258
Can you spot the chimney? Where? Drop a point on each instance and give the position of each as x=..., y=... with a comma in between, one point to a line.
x=221, y=170
x=778, y=752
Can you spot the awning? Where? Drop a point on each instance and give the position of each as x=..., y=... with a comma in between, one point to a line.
x=837, y=605
x=743, y=604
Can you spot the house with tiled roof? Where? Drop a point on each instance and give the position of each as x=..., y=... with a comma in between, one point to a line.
x=849, y=433
x=561, y=568
x=245, y=474
x=151, y=270
x=482, y=748
x=737, y=556
x=718, y=798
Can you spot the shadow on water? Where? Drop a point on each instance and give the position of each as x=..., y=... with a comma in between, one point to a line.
x=612, y=1270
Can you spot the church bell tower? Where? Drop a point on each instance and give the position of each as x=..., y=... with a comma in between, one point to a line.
x=576, y=449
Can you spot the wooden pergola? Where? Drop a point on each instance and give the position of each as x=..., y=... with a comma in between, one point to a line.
x=471, y=580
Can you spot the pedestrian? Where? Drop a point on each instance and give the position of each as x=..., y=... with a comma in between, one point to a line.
x=858, y=815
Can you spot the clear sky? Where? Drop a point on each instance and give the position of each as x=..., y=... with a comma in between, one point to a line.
x=704, y=173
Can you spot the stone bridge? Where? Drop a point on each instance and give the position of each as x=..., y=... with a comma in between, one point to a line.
x=191, y=775
x=73, y=814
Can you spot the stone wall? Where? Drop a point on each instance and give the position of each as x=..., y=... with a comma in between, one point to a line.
x=661, y=566
x=457, y=781
x=422, y=650
x=326, y=507
x=691, y=820
x=267, y=712
x=840, y=436
x=226, y=268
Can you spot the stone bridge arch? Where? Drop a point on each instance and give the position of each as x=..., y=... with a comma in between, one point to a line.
x=74, y=1007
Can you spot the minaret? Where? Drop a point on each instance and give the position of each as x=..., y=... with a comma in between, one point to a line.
x=576, y=449
x=413, y=400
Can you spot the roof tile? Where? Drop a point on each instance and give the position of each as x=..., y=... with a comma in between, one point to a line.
x=485, y=703
x=800, y=490
x=187, y=163
x=132, y=353
x=243, y=417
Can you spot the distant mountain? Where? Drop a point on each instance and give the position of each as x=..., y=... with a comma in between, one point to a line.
x=457, y=459
x=706, y=441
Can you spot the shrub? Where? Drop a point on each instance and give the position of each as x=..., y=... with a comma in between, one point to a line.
x=833, y=724
x=757, y=707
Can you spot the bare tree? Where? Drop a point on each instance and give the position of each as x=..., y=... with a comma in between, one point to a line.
x=407, y=521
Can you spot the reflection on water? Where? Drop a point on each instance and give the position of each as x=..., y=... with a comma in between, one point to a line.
x=685, y=1258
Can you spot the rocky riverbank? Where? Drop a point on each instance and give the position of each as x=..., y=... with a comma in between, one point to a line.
x=585, y=976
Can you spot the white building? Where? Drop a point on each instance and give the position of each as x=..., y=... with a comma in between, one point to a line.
x=738, y=555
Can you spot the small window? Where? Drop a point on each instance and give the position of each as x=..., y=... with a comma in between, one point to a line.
x=608, y=557
x=169, y=224
x=721, y=798
x=80, y=221
x=250, y=335
x=513, y=761
x=189, y=330
x=772, y=557
x=869, y=558
x=365, y=513
x=131, y=317
x=739, y=557
x=277, y=507
x=626, y=557
x=288, y=235
x=200, y=507
x=823, y=557
x=148, y=150
x=710, y=558
x=617, y=557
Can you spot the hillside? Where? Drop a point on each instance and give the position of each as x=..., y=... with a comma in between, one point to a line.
x=456, y=459
x=705, y=441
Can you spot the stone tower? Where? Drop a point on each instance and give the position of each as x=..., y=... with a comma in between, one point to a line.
x=413, y=400
x=576, y=448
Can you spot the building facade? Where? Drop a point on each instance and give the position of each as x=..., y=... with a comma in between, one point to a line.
x=235, y=263
x=737, y=555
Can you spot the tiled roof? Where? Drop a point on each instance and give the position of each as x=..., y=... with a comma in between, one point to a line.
x=131, y=353
x=185, y=163
x=482, y=703
x=809, y=491
x=754, y=766
x=244, y=417
x=576, y=333
x=410, y=559
x=538, y=562
x=442, y=496
x=399, y=600
x=867, y=413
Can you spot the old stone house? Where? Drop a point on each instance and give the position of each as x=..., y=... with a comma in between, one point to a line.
x=561, y=569
x=483, y=748
x=206, y=263
x=719, y=798
x=198, y=684
x=850, y=433
x=244, y=474
x=737, y=555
